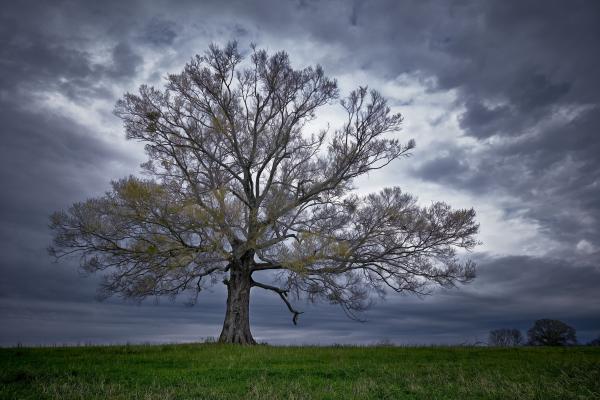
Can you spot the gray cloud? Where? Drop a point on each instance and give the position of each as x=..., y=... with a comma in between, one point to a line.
x=125, y=61
x=552, y=172
x=159, y=32
x=30, y=59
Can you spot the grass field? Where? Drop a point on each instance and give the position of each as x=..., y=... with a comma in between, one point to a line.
x=211, y=371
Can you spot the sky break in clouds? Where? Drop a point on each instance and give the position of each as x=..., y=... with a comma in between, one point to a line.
x=502, y=98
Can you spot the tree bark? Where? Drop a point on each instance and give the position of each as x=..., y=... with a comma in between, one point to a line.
x=236, y=327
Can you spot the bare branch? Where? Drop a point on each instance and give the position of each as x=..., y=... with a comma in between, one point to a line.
x=283, y=294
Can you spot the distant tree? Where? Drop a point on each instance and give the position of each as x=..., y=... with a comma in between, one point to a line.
x=505, y=337
x=238, y=186
x=551, y=332
x=594, y=342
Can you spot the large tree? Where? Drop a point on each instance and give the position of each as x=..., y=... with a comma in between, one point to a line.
x=237, y=185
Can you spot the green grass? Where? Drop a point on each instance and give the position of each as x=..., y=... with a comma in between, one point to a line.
x=211, y=371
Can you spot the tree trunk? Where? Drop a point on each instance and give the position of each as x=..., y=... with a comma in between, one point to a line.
x=236, y=327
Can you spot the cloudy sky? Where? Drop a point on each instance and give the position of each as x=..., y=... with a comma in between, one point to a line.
x=502, y=98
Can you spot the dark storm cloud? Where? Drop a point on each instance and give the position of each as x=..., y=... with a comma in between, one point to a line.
x=524, y=73
x=47, y=160
x=553, y=173
x=447, y=165
x=30, y=59
x=525, y=76
x=125, y=61
x=159, y=32
x=483, y=120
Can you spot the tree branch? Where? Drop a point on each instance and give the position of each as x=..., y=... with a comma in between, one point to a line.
x=283, y=294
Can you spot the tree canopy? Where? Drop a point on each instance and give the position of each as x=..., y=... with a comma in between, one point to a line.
x=551, y=332
x=505, y=337
x=236, y=183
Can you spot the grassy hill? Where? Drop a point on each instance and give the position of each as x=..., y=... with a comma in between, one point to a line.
x=211, y=371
